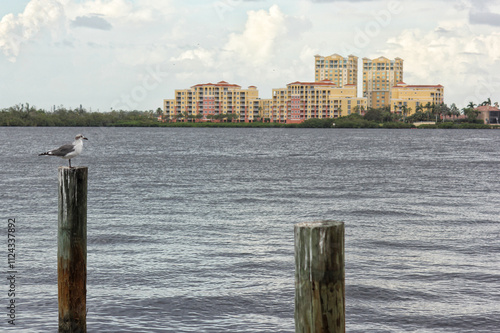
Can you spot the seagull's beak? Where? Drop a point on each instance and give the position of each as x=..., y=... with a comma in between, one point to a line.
x=84, y=138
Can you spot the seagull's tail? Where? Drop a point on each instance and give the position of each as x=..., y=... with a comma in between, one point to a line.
x=46, y=153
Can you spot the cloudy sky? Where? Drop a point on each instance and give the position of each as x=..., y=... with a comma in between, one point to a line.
x=131, y=54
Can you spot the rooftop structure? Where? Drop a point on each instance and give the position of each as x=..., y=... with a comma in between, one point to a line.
x=341, y=71
x=379, y=76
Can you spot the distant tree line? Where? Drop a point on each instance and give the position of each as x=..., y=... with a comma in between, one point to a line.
x=26, y=115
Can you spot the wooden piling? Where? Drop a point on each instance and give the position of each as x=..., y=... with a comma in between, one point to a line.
x=319, y=277
x=72, y=250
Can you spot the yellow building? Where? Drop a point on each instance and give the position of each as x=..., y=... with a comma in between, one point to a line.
x=265, y=108
x=204, y=101
x=168, y=109
x=379, y=76
x=279, y=105
x=300, y=101
x=341, y=71
x=414, y=97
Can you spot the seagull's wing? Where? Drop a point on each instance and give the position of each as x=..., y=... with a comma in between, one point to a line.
x=62, y=151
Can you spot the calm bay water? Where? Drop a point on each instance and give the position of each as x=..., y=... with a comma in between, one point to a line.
x=191, y=230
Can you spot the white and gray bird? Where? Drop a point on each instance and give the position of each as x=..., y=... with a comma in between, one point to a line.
x=68, y=151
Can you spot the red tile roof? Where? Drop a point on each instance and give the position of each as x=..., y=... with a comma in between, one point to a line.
x=219, y=84
x=426, y=85
x=487, y=108
x=321, y=83
x=404, y=85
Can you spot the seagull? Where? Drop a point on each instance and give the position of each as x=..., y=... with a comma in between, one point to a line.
x=68, y=151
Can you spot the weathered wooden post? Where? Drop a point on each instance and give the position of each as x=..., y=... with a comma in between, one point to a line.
x=72, y=250
x=319, y=277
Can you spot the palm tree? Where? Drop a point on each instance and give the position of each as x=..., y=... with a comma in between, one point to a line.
x=471, y=113
x=404, y=111
x=444, y=110
x=183, y=115
x=429, y=108
x=454, y=110
x=471, y=105
x=436, y=109
x=339, y=111
x=261, y=115
x=159, y=113
x=487, y=102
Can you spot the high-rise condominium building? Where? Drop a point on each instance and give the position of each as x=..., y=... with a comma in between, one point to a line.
x=341, y=71
x=300, y=101
x=202, y=101
x=379, y=76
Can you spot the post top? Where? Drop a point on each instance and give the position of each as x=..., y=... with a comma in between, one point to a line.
x=320, y=224
x=72, y=168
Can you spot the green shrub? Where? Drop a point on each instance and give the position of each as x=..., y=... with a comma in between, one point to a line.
x=428, y=126
x=446, y=125
x=317, y=123
x=355, y=124
x=474, y=126
x=395, y=124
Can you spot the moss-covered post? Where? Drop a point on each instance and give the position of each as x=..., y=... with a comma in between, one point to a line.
x=319, y=277
x=72, y=250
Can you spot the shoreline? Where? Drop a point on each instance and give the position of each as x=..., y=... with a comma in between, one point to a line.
x=426, y=125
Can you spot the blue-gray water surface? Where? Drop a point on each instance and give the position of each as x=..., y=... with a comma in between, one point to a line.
x=191, y=229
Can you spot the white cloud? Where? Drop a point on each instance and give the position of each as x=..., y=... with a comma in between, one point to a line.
x=203, y=56
x=55, y=19
x=455, y=57
x=256, y=44
x=307, y=54
x=113, y=9
x=37, y=16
